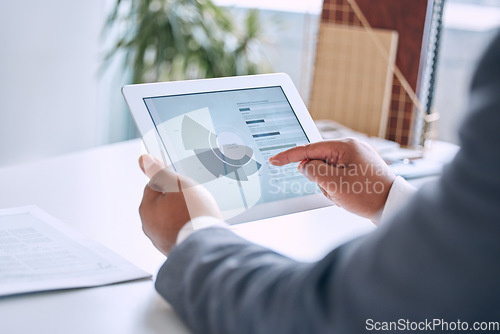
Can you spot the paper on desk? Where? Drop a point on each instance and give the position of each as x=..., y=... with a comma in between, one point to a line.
x=417, y=168
x=39, y=253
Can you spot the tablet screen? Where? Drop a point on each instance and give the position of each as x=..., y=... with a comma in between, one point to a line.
x=224, y=140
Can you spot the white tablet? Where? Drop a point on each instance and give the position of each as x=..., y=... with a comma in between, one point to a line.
x=222, y=132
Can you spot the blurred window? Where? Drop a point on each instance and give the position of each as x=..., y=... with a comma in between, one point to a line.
x=469, y=25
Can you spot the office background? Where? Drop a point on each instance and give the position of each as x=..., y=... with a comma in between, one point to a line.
x=54, y=98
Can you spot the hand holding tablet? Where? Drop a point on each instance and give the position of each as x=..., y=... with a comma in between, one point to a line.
x=222, y=132
x=171, y=200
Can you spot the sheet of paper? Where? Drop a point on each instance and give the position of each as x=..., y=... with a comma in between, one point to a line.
x=39, y=253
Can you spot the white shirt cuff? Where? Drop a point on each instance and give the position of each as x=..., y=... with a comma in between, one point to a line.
x=197, y=224
x=400, y=191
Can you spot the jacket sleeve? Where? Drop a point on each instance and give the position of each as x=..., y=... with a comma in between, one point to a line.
x=436, y=258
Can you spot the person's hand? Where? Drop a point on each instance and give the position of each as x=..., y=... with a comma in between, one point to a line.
x=170, y=200
x=349, y=172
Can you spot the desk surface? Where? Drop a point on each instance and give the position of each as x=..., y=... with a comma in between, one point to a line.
x=98, y=192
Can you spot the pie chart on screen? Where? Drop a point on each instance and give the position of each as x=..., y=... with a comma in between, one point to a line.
x=224, y=154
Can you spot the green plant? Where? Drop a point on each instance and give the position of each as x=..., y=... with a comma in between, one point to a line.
x=183, y=39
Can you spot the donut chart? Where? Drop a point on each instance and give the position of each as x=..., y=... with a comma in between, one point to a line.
x=231, y=159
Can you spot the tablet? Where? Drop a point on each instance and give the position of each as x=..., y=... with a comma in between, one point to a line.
x=221, y=132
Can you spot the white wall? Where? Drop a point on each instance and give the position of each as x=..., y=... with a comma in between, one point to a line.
x=49, y=90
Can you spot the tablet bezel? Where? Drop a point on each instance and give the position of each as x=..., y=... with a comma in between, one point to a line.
x=135, y=95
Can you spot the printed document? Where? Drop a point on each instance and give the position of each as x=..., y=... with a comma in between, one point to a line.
x=39, y=253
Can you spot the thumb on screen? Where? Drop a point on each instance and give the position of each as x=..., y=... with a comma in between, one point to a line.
x=150, y=165
x=161, y=178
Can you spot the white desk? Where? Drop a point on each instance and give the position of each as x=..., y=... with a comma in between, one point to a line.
x=98, y=191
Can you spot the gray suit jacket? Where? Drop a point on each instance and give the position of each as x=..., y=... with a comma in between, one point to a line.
x=437, y=258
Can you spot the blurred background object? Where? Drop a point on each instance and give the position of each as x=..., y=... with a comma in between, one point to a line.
x=53, y=100
x=165, y=40
x=469, y=26
x=352, y=79
x=374, y=54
